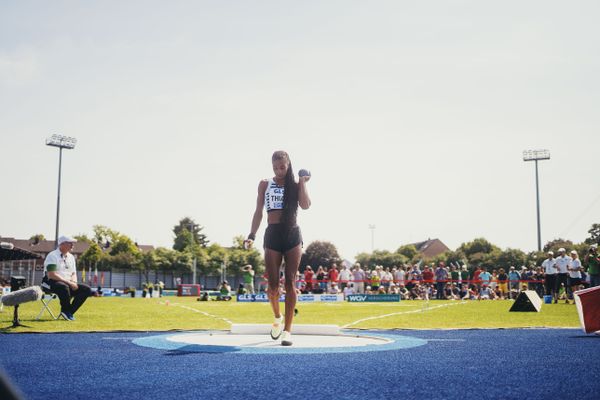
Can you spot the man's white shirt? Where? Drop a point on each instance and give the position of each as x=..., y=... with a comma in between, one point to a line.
x=549, y=266
x=65, y=264
x=575, y=263
x=562, y=263
x=345, y=276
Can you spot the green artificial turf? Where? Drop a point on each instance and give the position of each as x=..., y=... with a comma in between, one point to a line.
x=185, y=313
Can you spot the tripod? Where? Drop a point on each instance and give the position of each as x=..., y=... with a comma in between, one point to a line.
x=16, y=321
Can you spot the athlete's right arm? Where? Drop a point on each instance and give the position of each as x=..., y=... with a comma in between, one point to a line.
x=258, y=212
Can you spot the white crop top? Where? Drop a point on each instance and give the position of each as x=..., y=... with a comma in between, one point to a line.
x=273, y=196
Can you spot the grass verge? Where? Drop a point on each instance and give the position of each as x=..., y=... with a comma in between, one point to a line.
x=182, y=313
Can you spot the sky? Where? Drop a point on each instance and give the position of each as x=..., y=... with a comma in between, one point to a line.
x=411, y=116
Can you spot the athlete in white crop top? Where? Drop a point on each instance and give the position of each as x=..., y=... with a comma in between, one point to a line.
x=281, y=196
x=274, y=196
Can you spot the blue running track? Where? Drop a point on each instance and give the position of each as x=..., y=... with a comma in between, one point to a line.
x=456, y=364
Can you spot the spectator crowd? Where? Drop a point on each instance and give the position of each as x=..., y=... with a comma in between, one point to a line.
x=558, y=277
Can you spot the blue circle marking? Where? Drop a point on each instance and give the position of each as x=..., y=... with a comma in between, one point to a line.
x=169, y=342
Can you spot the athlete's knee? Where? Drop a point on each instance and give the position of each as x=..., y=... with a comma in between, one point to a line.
x=289, y=285
x=273, y=290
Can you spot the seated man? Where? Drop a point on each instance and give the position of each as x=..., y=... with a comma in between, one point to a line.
x=403, y=292
x=484, y=294
x=349, y=290
x=225, y=291
x=61, y=277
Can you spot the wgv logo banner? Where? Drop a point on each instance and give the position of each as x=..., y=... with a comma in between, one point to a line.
x=362, y=298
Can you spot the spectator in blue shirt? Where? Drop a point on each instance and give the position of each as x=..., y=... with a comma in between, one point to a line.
x=485, y=277
x=513, y=282
x=441, y=276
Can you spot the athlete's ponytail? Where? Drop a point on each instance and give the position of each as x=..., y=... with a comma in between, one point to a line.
x=290, y=194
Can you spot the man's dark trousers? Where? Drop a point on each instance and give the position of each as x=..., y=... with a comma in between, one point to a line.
x=65, y=293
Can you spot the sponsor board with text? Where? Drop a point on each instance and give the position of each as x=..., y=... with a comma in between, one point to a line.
x=376, y=298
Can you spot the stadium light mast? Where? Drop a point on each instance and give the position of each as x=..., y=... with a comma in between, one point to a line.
x=372, y=228
x=62, y=142
x=537, y=155
x=195, y=261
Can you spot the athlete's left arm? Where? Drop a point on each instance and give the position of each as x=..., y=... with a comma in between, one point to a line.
x=303, y=198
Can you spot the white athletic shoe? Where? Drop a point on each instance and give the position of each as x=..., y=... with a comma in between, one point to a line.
x=277, y=328
x=286, y=338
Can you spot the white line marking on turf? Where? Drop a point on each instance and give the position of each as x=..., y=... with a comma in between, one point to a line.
x=400, y=313
x=202, y=312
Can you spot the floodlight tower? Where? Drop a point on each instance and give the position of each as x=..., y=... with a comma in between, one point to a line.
x=372, y=228
x=537, y=155
x=62, y=142
x=192, y=226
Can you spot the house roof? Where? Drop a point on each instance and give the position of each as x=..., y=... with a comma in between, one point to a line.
x=43, y=247
x=10, y=253
x=431, y=247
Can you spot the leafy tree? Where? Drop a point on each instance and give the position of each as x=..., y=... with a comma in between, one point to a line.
x=92, y=256
x=434, y=261
x=123, y=260
x=455, y=257
x=124, y=253
x=480, y=252
x=510, y=257
x=38, y=237
x=487, y=260
x=239, y=256
x=165, y=259
x=363, y=259
x=105, y=236
x=184, y=241
x=448, y=257
x=171, y=260
x=479, y=245
x=148, y=262
x=82, y=237
x=409, y=251
x=556, y=244
x=217, y=258
x=183, y=261
x=190, y=226
x=320, y=253
x=535, y=258
x=386, y=258
x=594, y=235
x=123, y=244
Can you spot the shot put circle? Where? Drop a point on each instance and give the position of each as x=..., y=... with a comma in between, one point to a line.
x=226, y=342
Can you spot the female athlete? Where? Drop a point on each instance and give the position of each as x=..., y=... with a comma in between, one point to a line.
x=281, y=196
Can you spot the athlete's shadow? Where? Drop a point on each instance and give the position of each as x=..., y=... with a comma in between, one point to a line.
x=194, y=348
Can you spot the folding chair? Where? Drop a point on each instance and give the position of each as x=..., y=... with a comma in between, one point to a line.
x=46, y=299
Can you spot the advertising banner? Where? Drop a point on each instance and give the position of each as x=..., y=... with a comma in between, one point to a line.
x=362, y=298
x=331, y=297
x=259, y=298
x=304, y=298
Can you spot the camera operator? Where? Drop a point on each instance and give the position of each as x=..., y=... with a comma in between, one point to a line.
x=593, y=266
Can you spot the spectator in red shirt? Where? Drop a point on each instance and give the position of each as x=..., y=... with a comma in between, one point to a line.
x=427, y=275
x=475, y=278
x=332, y=275
x=262, y=284
x=308, y=279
